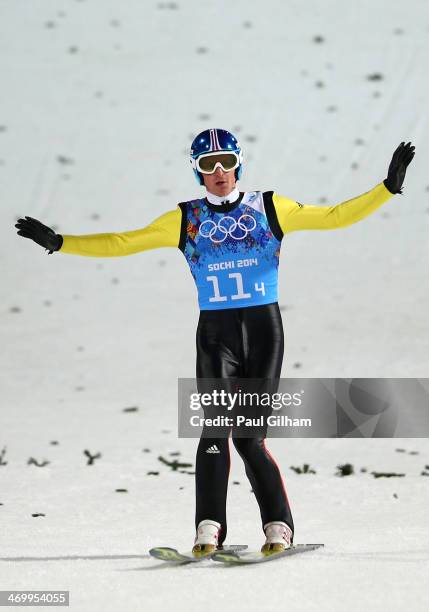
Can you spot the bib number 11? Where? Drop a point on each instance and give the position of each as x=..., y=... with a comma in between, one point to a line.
x=240, y=293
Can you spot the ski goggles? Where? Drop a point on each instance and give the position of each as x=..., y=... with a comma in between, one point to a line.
x=209, y=162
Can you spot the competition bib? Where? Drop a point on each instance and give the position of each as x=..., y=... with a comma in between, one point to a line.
x=233, y=256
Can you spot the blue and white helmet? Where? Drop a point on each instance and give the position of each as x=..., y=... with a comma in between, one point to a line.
x=211, y=141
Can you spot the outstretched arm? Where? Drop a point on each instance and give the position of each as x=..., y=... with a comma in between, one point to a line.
x=293, y=216
x=162, y=232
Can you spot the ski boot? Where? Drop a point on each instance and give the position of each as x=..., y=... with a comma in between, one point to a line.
x=278, y=537
x=206, y=540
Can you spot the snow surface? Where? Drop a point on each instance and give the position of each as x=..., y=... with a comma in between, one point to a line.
x=99, y=102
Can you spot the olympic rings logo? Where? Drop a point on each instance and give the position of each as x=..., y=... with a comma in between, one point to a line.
x=209, y=228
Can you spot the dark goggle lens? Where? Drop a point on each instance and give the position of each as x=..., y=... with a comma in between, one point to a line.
x=228, y=161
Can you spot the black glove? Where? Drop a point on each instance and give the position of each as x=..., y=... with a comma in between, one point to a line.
x=43, y=235
x=400, y=160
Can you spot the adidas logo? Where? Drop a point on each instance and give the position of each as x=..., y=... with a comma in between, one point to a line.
x=213, y=449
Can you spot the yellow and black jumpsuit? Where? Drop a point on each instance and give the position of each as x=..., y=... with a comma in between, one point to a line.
x=233, y=250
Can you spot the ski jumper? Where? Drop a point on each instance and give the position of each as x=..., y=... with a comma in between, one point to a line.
x=233, y=252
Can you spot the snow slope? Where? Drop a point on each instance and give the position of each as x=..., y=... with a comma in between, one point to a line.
x=99, y=102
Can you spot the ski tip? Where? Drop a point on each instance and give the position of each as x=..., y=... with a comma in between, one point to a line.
x=156, y=548
x=165, y=553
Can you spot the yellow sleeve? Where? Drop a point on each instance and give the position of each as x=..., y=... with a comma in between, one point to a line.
x=162, y=232
x=293, y=216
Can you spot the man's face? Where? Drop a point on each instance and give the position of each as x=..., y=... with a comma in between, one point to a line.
x=220, y=183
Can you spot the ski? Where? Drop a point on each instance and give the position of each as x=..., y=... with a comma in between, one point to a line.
x=172, y=555
x=235, y=557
